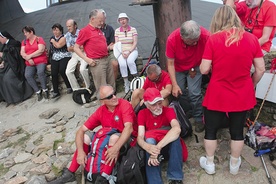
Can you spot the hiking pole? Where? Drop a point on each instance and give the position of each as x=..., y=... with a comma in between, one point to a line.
x=264, y=164
x=82, y=175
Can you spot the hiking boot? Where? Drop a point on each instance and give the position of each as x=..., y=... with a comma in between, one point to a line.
x=69, y=90
x=199, y=127
x=175, y=182
x=39, y=96
x=210, y=168
x=235, y=169
x=67, y=176
x=45, y=95
x=101, y=180
x=55, y=95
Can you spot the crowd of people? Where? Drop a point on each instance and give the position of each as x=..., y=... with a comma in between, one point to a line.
x=240, y=34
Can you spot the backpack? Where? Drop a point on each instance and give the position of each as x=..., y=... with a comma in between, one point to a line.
x=137, y=83
x=132, y=167
x=82, y=96
x=185, y=124
x=95, y=158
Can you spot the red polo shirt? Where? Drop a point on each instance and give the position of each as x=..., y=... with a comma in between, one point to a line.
x=123, y=113
x=185, y=56
x=146, y=118
x=266, y=17
x=161, y=84
x=93, y=41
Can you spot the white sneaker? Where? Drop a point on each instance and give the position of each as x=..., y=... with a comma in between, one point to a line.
x=127, y=87
x=210, y=168
x=235, y=169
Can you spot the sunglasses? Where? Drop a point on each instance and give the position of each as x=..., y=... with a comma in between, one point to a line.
x=156, y=79
x=109, y=96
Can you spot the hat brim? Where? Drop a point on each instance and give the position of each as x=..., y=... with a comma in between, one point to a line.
x=157, y=99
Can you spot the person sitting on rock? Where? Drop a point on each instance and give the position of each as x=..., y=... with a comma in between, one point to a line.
x=156, y=78
x=115, y=113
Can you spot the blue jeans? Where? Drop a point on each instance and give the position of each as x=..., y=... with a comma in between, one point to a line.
x=39, y=69
x=194, y=91
x=174, y=171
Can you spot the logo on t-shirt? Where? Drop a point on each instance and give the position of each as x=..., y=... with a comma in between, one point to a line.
x=116, y=118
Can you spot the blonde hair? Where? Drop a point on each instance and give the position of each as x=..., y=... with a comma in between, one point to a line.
x=226, y=19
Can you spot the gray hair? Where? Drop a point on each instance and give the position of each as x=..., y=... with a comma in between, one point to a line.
x=153, y=68
x=190, y=30
x=95, y=12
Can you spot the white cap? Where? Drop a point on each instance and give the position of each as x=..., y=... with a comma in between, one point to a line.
x=122, y=15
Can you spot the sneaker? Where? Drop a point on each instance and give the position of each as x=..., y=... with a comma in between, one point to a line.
x=67, y=176
x=45, y=95
x=199, y=127
x=235, y=169
x=175, y=182
x=39, y=96
x=101, y=180
x=69, y=90
x=127, y=87
x=210, y=168
x=55, y=95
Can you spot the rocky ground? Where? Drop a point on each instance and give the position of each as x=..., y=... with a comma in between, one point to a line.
x=37, y=141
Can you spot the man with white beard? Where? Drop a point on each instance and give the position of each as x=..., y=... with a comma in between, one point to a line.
x=258, y=17
x=157, y=128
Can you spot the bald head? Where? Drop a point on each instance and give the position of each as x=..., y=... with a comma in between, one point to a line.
x=71, y=26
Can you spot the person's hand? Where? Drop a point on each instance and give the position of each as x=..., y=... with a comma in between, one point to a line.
x=82, y=158
x=153, y=161
x=126, y=54
x=154, y=150
x=91, y=62
x=176, y=91
x=111, y=155
x=28, y=57
x=31, y=62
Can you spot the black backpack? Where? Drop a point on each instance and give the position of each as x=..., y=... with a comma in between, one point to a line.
x=185, y=124
x=132, y=167
x=82, y=96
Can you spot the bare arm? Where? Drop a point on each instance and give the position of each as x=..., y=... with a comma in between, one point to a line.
x=134, y=45
x=166, y=91
x=79, y=140
x=172, y=134
x=259, y=70
x=60, y=43
x=70, y=49
x=205, y=66
x=266, y=34
x=175, y=88
x=80, y=53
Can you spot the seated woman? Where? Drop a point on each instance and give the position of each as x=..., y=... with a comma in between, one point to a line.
x=13, y=87
x=33, y=51
x=59, y=60
x=127, y=35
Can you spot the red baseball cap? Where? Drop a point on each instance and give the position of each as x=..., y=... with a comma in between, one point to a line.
x=152, y=95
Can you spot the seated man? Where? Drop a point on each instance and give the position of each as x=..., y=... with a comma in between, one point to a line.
x=157, y=128
x=156, y=78
x=115, y=113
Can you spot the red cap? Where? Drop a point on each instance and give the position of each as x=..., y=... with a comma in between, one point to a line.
x=152, y=95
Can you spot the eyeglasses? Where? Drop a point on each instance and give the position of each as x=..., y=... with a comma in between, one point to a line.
x=125, y=33
x=156, y=79
x=109, y=96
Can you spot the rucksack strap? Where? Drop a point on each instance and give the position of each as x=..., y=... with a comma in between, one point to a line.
x=111, y=179
x=93, y=154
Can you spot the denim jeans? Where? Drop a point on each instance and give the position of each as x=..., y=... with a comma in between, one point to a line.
x=194, y=91
x=175, y=164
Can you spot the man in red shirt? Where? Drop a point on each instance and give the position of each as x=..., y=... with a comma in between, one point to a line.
x=93, y=41
x=156, y=78
x=184, y=51
x=258, y=18
x=115, y=113
x=157, y=128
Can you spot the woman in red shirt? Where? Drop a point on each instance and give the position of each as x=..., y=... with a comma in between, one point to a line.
x=33, y=51
x=229, y=53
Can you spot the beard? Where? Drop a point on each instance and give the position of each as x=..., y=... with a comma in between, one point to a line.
x=157, y=111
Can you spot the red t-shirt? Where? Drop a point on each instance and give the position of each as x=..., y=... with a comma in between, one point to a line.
x=161, y=84
x=231, y=88
x=266, y=17
x=122, y=113
x=29, y=49
x=93, y=41
x=185, y=57
x=146, y=118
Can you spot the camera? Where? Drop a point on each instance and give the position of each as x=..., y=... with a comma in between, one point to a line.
x=248, y=30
